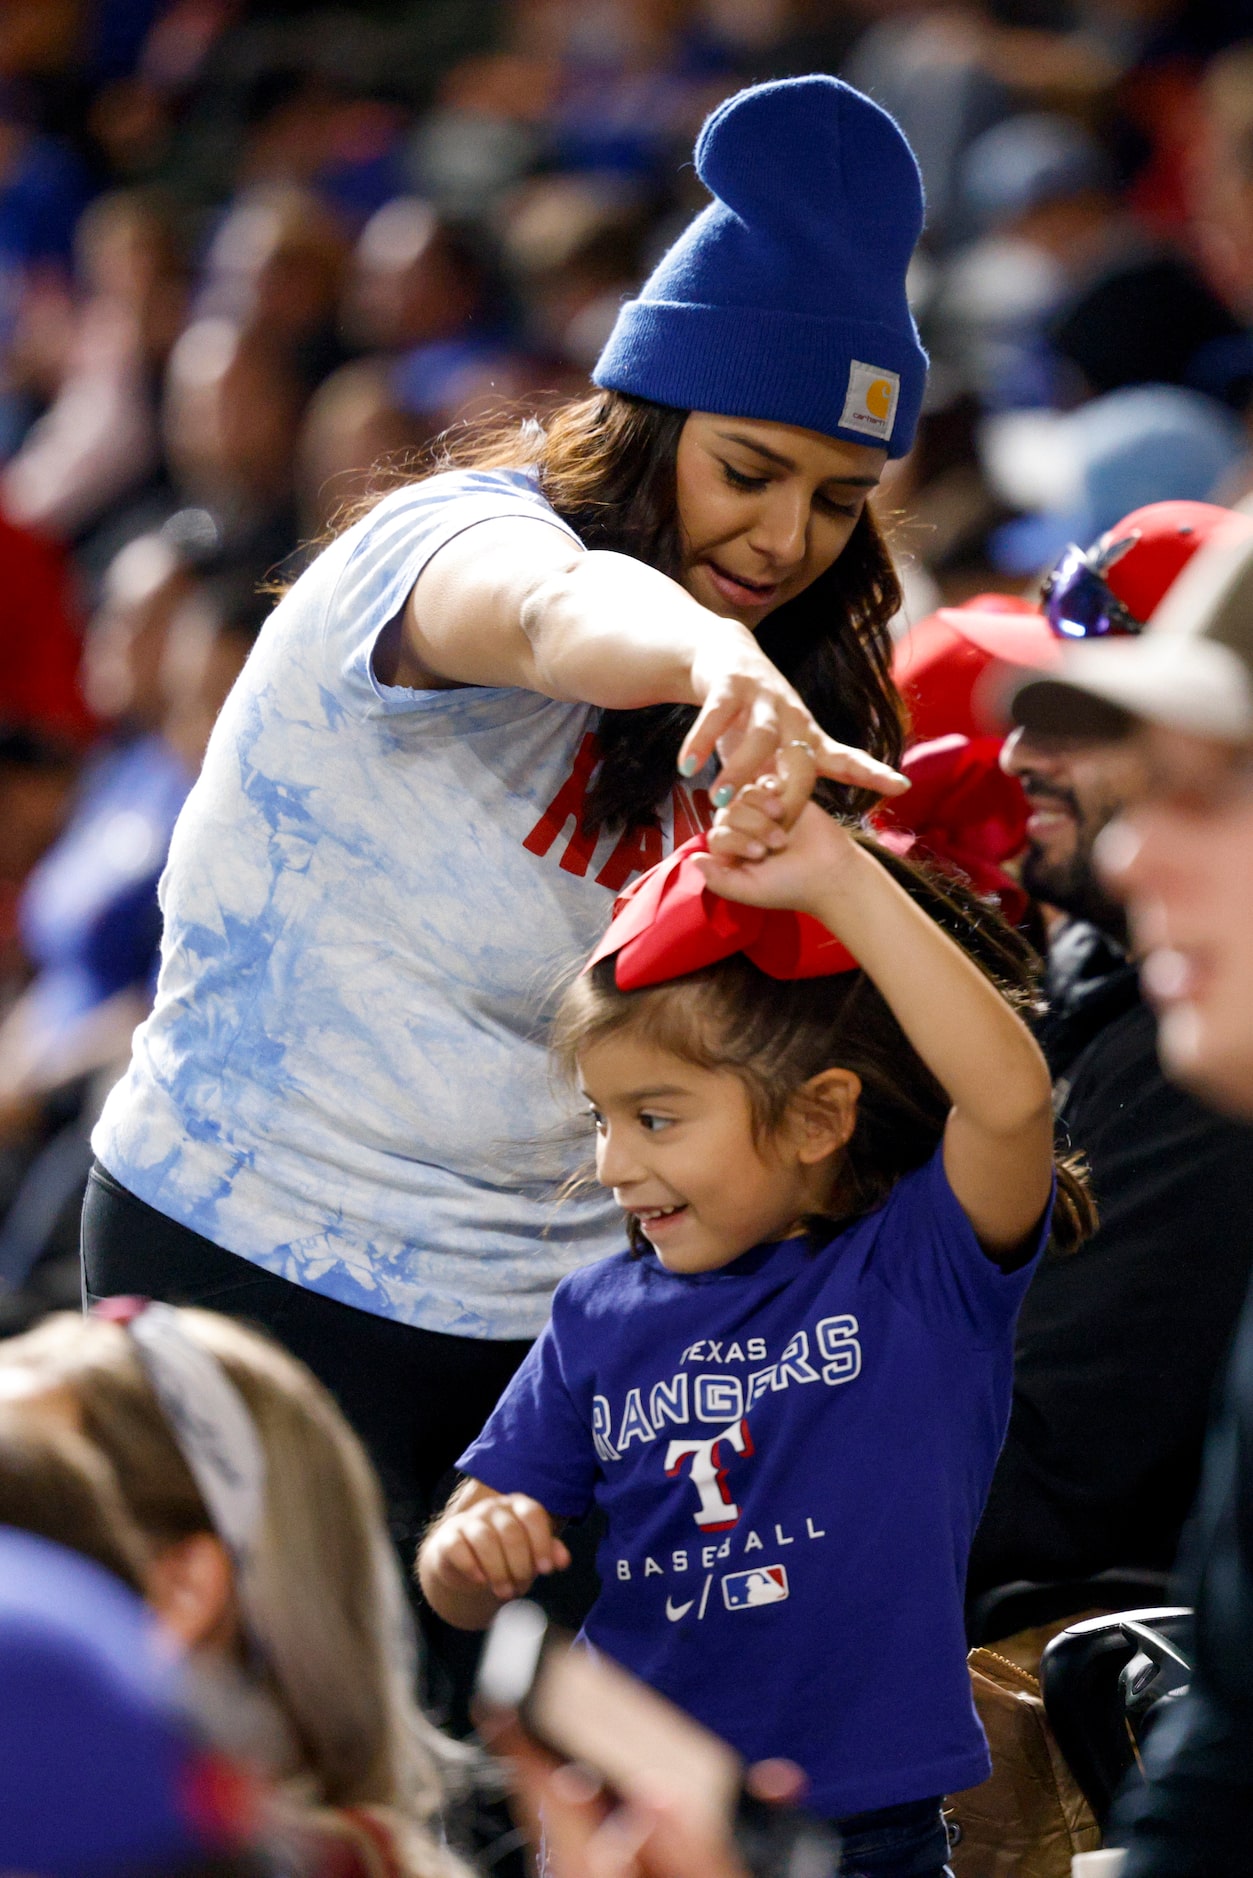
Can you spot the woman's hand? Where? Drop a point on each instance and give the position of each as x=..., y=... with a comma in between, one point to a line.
x=754, y=857
x=758, y=725
x=485, y=1551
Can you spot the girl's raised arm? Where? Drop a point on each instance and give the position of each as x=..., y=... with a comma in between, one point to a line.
x=515, y=602
x=998, y=1142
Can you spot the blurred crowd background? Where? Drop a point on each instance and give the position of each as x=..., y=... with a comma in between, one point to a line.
x=255, y=258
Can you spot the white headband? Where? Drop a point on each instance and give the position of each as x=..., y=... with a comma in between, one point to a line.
x=209, y=1420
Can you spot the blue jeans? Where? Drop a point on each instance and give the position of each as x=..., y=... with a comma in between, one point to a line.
x=908, y=1841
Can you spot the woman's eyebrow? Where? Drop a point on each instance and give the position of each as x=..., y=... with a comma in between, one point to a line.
x=747, y=443
x=785, y=462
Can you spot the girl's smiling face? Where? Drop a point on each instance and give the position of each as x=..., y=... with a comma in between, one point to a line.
x=677, y=1145
x=765, y=509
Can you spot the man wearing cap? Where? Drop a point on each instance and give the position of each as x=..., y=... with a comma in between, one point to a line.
x=1181, y=857
x=1104, y=1450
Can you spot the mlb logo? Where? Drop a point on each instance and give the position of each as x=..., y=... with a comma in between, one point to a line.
x=870, y=400
x=765, y=1584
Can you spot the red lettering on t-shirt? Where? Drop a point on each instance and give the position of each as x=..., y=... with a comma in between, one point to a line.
x=569, y=803
x=637, y=848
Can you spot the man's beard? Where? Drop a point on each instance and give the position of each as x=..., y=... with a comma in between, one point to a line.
x=1073, y=885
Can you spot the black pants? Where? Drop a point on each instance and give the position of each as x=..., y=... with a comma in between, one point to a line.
x=416, y=1398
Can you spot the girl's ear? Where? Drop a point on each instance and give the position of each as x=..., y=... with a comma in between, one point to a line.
x=191, y=1587
x=826, y=1108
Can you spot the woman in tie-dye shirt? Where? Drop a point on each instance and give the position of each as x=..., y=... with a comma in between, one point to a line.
x=501, y=693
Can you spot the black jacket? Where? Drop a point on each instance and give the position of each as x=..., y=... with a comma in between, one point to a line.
x=1195, y=1819
x=1119, y=1344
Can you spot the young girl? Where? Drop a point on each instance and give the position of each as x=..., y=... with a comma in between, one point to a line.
x=788, y=1396
x=264, y=1545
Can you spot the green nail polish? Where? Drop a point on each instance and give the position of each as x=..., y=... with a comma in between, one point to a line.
x=722, y=795
x=687, y=766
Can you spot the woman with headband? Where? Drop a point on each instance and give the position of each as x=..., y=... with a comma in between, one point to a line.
x=266, y=1545
x=476, y=716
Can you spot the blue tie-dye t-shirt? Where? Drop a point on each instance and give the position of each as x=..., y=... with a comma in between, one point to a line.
x=370, y=895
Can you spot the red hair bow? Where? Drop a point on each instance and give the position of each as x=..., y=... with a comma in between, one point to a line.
x=669, y=923
x=962, y=811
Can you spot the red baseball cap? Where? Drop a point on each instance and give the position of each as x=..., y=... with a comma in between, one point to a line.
x=1190, y=670
x=1163, y=538
x=941, y=664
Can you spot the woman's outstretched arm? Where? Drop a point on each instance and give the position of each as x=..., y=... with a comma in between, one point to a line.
x=516, y=602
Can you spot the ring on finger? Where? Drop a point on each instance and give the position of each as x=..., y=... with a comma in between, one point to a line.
x=799, y=743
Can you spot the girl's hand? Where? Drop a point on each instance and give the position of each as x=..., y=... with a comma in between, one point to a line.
x=756, y=859
x=758, y=725
x=500, y=1544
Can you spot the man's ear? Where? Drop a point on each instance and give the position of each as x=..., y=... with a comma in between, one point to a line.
x=191, y=1587
x=826, y=1111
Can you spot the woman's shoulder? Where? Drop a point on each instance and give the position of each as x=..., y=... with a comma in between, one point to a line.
x=382, y=554
x=334, y=613
x=428, y=499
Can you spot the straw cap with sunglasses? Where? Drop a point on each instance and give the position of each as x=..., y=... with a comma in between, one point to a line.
x=1160, y=628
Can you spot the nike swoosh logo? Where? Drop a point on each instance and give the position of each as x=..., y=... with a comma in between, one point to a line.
x=674, y=1615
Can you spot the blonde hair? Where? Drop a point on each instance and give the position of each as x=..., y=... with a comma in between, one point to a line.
x=323, y=1605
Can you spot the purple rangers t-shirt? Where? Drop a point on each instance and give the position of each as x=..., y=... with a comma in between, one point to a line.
x=792, y=1454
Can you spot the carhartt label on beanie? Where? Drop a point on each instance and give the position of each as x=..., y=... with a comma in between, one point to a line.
x=871, y=401
x=785, y=298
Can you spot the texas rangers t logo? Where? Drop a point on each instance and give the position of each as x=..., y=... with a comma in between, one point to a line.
x=717, y=1511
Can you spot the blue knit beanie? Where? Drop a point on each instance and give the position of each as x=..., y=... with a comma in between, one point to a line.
x=785, y=298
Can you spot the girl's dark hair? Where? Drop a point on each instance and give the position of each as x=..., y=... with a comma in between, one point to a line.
x=775, y=1034
x=606, y=462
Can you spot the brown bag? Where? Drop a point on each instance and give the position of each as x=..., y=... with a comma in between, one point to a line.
x=1029, y=1817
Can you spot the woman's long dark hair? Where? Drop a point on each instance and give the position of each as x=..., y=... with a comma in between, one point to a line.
x=606, y=462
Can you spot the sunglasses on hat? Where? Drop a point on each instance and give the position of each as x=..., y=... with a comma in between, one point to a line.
x=1077, y=601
